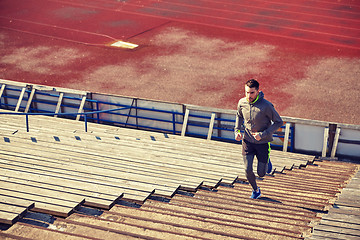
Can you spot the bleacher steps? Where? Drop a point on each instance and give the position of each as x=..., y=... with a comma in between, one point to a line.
x=68, y=167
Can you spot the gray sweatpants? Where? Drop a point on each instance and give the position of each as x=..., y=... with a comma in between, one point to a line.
x=261, y=169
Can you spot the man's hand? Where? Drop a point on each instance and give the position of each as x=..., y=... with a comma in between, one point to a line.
x=238, y=136
x=256, y=136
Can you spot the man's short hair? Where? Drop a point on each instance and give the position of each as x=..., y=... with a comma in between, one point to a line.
x=252, y=83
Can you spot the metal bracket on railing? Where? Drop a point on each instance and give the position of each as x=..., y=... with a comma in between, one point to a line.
x=27, y=123
x=130, y=108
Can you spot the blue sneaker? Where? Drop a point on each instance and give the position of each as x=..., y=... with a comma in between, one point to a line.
x=269, y=167
x=256, y=194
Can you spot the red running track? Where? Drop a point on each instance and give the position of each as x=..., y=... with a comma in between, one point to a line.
x=304, y=52
x=320, y=22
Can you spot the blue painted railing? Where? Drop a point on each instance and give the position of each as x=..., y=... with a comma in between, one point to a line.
x=59, y=114
x=89, y=113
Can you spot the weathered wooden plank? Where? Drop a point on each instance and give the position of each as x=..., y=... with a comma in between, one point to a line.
x=232, y=179
x=121, y=150
x=113, y=142
x=155, y=167
x=190, y=141
x=174, y=138
x=342, y=217
x=111, y=162
x=9, y=214
x=12, y=208
x=141, y=149
x=45, y=204
x=223, y=176
x=17, y=201
x=337, y=231
x=92, y=174
x=60, y=198
x=324, y=235
x=165, y=171
x=339, y=226
x=8, y=217
x=136, y=195
x=23, y=200
x=54, y=191
x=81, y=187
x=166, y=147
x=349, y=202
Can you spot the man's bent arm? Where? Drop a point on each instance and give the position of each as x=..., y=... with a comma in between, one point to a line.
x=238, y=121
x=277, y=123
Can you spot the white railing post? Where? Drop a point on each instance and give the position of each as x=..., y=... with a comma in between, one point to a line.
x=20, y=99
x=186, y=118
x=336, y=141
x=286, y=137
x=325, y=142
x=211, y=126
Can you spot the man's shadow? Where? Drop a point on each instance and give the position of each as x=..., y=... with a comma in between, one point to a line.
x=269, y=200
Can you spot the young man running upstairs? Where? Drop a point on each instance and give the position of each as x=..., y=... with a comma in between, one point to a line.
x=259, y=120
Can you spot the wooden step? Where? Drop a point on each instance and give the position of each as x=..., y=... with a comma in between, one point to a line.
x=10, y=213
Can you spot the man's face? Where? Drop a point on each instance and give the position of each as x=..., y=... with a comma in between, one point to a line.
x=251, y=93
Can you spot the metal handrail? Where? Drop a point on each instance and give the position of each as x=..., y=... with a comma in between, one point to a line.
x=85, y=115
x=174, y=122
x=93, y=118
x=60, y=114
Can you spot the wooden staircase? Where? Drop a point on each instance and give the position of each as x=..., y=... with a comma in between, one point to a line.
x=58, y=181
x=98, y=167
